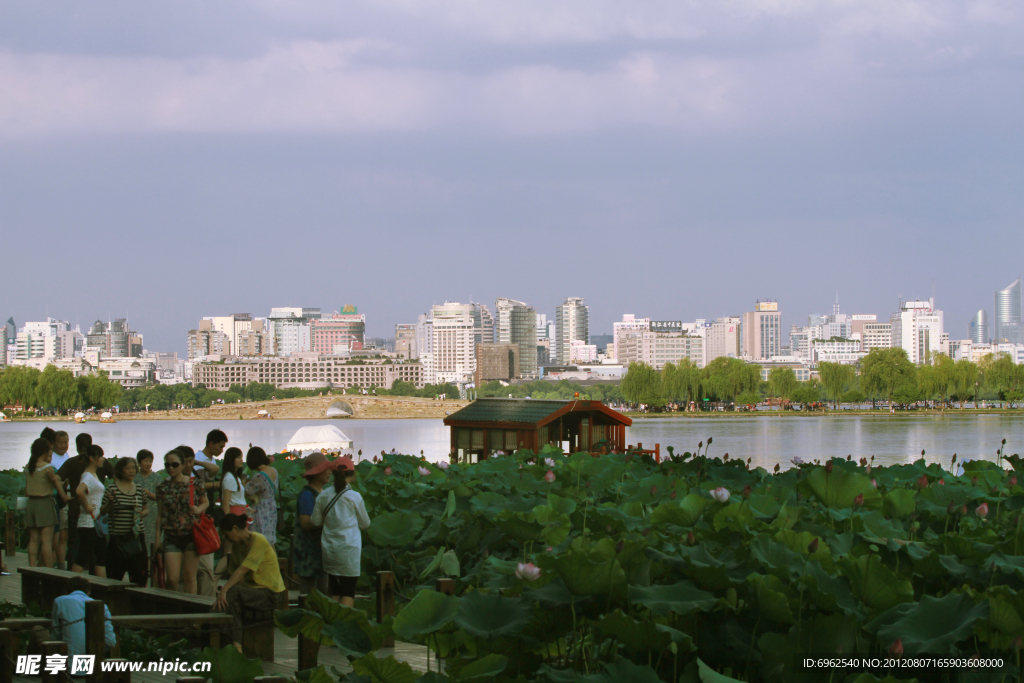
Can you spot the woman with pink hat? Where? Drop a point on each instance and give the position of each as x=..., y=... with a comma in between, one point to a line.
x=307, y=556
x=342, y=513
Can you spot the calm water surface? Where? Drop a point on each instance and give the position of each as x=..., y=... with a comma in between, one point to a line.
x=765, y=439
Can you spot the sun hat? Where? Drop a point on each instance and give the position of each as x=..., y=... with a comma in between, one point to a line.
x=321, y=463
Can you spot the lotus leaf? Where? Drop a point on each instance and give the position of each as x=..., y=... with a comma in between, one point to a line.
x=772, y=602
x=764, y=507
x=875, y=526
x=899, y=503
x=709, y=675
x=294, y=622
x=426, y=613
x=434, y=564
x=685, y=513
x=349, y=638
x=875, y=584
x=735, y=517
x=395, y=529
x=317, y=675
x=228, y=665
x=387, y=670
x=935, y=625
x=635, y=636
x=840, y=488
x=565, y=506
x=521, y=526
x=680, y=598
x=552, y=594
x=485, y=668
x=556, y=525
x=489, y=615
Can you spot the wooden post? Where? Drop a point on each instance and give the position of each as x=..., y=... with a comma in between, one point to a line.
x=55, y=647
x=446, y=586
x=11, y=535
x=95, y=641
x=657, y=452
x=386, y=600
x=8, y=653
x=309, y=650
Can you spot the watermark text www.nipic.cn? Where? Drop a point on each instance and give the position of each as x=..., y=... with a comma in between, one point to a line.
x=84, y=665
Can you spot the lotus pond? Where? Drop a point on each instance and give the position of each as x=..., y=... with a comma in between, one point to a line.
x=617, y=568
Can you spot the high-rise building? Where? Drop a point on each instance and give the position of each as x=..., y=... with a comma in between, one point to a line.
x=762, y=331
x=114, y=340
x=405, y=341
x=572, y=322
x=722, y=338
x=503, y=319
x=917, y=329
x=206, y=341
x=658, y=348
x=876, y=335
x=290, y=329
x=1008, y=324
x=977, y=329
x=483, y=324
x=339, y=333
x=523, y=331
x=628, y=325
x=452, y=349
x=496, y=362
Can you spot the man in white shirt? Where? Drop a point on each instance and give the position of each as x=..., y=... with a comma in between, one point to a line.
x=61, y=442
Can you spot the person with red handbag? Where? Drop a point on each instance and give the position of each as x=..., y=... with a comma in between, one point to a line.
x=180, y=505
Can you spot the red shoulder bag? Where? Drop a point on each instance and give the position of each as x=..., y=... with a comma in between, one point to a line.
x=204, y=531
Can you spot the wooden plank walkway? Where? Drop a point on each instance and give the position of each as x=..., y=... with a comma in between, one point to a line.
x=286, y=649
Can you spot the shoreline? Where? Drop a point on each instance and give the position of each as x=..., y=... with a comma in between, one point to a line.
x=836, y=413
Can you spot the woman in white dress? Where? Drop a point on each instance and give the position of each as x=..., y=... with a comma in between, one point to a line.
x=342, y=513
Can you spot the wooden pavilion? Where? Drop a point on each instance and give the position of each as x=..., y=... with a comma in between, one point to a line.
x=489, y=425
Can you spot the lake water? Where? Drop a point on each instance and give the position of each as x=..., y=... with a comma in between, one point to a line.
x=764, y=438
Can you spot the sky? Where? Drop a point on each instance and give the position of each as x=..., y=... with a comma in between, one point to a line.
x=678, y=160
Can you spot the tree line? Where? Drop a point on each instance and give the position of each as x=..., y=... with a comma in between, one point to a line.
x=57, y=390
x=884, y=374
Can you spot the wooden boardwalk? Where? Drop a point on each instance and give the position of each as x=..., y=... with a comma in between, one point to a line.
x=285, y=648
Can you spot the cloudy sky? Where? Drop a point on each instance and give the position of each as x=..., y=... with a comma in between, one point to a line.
x=170, y=161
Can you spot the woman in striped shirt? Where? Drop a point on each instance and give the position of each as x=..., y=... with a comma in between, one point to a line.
x=126, y=504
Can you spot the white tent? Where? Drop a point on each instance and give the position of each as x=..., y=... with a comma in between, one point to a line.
x=315, y=438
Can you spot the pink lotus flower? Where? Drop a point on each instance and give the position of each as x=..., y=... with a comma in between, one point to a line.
x=387, y=471
x=1013, y=481
x=549, y=477
x=549, y=462
x=897, y=647
x=858, y=500
x=424, y=471
x=797, y=460
x=942, y=482
x=721, y=494
x=443, y=465
x=528, y=571
x=874, y=483
x=982, y=510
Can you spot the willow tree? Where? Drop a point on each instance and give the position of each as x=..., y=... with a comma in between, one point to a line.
x=681, y=382
x=726, y=378
x=18, y=385
x=642, y=384
x=836, y=380
x=883, y=370
x=58, y=389
x=781, y=382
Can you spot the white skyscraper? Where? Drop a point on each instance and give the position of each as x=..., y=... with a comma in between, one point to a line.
x=452, y=348
x=572, y=322
x=917, y=329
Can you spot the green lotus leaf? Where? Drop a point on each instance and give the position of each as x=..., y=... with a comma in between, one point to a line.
x=787, y=517
x=840, y=488
x=772, y=599
x=874, y=583
x=450, y=565
x=387, y=670
x=451, y=506
x=776, y=557
x=552, y=594
x=935, y=625
x=489, y=615
x=830, y=592
x=520, y=526
x=685, y=513
x=682, y=640
x=764, y=507
x=556, y=524
x=295, y=622
x=709, y=675
x=565, y=506
x=624, y=671
x=317, y=675
x=873, y=524
x=591, y=568
x=349, y=638
x=735, y=517
x=680, y=598
x=800, y=542
x=434, y=564
x=488, y=503
x=429, y=677
x=426, y=613
x=1005, y=621
x=395, y=529
x=228, y=665
x=899, y=503
x=486, y=668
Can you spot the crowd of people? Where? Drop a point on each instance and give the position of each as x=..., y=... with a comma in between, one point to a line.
x=121, y=516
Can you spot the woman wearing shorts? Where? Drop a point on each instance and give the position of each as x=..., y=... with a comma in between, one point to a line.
x=177, y=512
x=41, y=514
x=92, y=548
x=342, y=513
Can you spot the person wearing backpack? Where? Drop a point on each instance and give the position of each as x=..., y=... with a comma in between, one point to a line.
x=307, y=557
x=342, y=513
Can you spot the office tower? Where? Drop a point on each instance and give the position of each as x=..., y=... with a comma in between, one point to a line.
x=338, y=333
x=572, y=322
x=453, y=353
x=917, y=329
x=977, y=329
x=722, y=338
x=1008, y=327
x=628, y=325
x=523, y=331
x=405, y=341
x=762, y=331
x=483, y=324
x=290, y=329
x=114, y=340
x=503, y=319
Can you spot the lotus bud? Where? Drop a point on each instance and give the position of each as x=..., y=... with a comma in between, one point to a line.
x=776, y=467
x=812, y=547
x=867, y=469
x=896, y=649
x=982, y=510
x=586, y=485
x=829, y=467
x=443, y=465
x=874, y=483
x=746, y=492
x=942, y=482
x=709, y=442
x=950, y=509
x=424, y=471
x=700, y=444
x=549, y=477
x=726, y=458
x=748, y=461
x=1004, y=442
x=387, y=471
x=620, y=546
x=922, y=481
x=690, y=539
x=721, y=494
x=963, y=509
x=859, y=500
x=1013, y=481
x=848, y=458
x=915, y=526
x=527, y=572
x=954, y=458
x=922, y=452
x=672, y=495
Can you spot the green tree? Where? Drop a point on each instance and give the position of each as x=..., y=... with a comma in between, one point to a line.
x=836, y=380
x=781, y=382
x=642, y=384
x=966, y=377
x=883, y=370
x=18, y=385
x=57, y=389
x=681, y=382
x=726, y=378
x=806, y=393
x=854, y=396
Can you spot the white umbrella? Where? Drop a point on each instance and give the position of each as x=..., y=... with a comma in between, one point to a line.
x=107, y=416
x=262, y=412
x=79, y=416
x=315, y=438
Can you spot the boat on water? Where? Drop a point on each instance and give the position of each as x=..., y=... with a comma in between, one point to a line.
x=80, y=418
x=107, y=418
x=3, y=417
